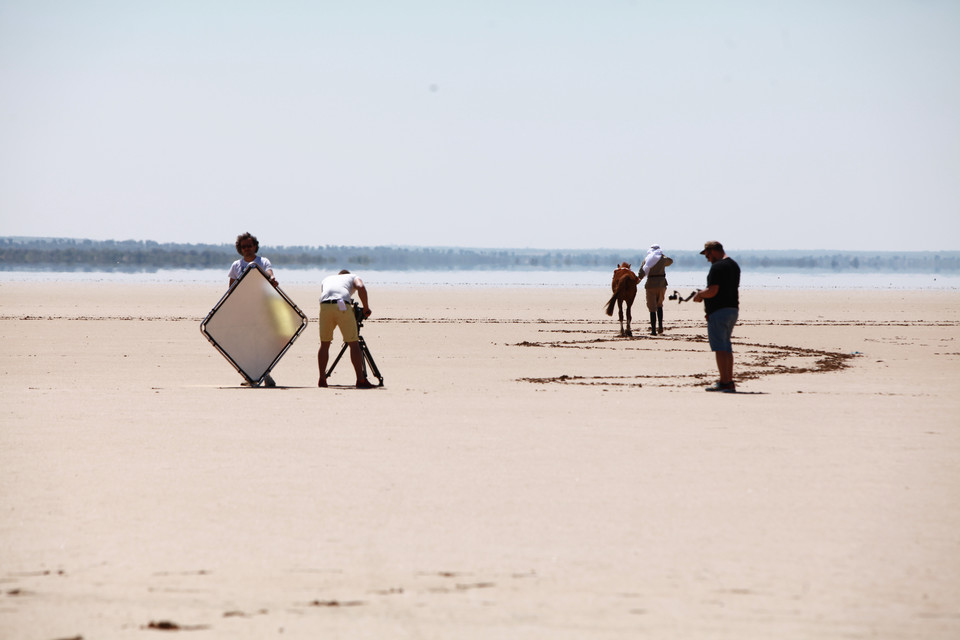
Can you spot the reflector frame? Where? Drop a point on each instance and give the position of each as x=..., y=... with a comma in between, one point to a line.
x=253, y=325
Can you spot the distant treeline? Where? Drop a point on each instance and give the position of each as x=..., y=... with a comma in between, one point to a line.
x=145, y=255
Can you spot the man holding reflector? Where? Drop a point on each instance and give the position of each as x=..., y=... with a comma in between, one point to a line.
x=247, y=246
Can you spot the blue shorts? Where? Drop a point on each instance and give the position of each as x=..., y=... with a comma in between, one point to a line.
x=720, y=328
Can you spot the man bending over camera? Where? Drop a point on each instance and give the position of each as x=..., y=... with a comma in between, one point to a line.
x=336, y=310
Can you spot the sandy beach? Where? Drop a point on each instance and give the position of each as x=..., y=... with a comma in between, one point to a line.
x=524, y=472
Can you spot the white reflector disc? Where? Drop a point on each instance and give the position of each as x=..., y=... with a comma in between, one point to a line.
x=253, y=325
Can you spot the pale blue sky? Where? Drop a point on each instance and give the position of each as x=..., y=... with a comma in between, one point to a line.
x=548, y=124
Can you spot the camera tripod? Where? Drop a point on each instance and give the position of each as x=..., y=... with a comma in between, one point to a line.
x=365, y=355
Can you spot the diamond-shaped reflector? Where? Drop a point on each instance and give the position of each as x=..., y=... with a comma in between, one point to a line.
x=253, y=325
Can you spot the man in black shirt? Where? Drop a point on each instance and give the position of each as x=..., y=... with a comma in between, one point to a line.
x=721, y=302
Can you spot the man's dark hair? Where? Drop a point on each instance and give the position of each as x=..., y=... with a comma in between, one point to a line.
x=247, y=236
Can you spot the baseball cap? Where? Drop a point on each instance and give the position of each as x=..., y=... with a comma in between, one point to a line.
x=712, y=244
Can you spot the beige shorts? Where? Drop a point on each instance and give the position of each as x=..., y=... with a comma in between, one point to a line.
x=655, y=298
x=331, y=317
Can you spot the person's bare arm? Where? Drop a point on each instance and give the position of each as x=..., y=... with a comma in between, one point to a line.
x=362, y=293
x=709, y=292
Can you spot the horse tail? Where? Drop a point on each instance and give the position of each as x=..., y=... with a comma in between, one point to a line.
x=610, y=304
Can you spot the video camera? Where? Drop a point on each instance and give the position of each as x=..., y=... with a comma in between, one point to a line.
x=676, y=296
x=358, y=314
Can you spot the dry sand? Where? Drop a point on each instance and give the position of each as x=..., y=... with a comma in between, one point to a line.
x=524, y=473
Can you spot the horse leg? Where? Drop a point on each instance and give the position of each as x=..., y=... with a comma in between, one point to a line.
x=629, y=333
x=620, y=314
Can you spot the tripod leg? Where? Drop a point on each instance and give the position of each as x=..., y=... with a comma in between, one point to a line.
x=336, y=360
x=368, y=357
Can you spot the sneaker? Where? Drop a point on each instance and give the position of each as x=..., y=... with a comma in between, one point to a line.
x=722, y=387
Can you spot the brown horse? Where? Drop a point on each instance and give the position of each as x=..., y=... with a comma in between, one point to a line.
x=624, y=290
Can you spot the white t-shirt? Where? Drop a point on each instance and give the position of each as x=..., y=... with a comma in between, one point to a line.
x=338, y=287
x=241, y=265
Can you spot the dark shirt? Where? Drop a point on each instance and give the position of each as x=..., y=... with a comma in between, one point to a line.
x=726, y=274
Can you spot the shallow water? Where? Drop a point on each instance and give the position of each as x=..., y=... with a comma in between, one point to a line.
x=680, y=280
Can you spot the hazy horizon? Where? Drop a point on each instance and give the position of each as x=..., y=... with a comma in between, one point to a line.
x=516, y=125
x=265, y=246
